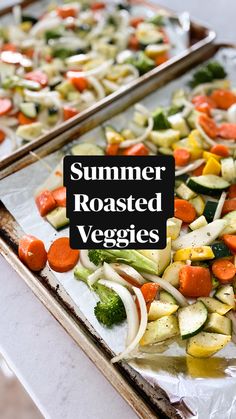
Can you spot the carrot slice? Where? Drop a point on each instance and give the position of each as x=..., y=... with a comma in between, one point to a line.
x=202, y=99
x=161, y=58
x=66, y=11
x=135, y=21
x=232, y=191
x=5, y=106
x=45, y=202
x=204, y=108
x=229, y=205
x=32, y=252
x=24, y=120
x=59, y=195
x=81, y=83
x=136, y=150
x=38, y=76
x=182, y=156
x=223, y=98
x=195, y=281
x=9, y=47
x=220, y=150
x=69, y=112
x=209, y=125
x=224, y=270
x=133, y=42
x=199, y=170
x=230, y=241
x=184, y=210
x=61, y=257
x=112, y=149
x=149, y=291
x=98, y=6
x=2, y=136
x=227, y=130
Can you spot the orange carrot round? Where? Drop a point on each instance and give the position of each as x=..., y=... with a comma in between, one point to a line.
x=24, y=120
x=229, y=205
x=38, y=76
x=208, y=125
x=81, y=83
x=230, y=241
x=136, y=150
x=200, y=99
x=198, y=171
x=133, y=42
x=161, y=58
x=220, y=150
x=112, y=149
x=32, y=253
x=135, y=21
x=45, y=202
x=61, y=257
x=182, y=156
x=195, y=281
x=66, y=11
x=227, y=131
x=232, y=191
x=59, y=195
x=149, y=291
x=184, y=210
x=2, y=136
x=223, y=98
x=224, y=270
x=69, y=112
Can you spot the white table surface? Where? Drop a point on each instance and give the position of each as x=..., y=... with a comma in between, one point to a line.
x=58, y=376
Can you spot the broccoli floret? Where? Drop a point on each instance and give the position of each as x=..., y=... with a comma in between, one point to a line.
x=110, y=310
x=130, y=257
x=160, y=120
x=206, y=74
x=158, y=20
x=142, y=62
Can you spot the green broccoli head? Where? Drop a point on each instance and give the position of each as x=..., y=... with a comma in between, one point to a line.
x=110, y=310
x=142, y=62
x=131, y=257
x=160, y=120
x=206, y=74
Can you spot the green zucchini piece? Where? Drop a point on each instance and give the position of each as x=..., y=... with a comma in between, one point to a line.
x=209, y=210
x=226, y=295
x=215, y=306
x=218, y=324
x=28, y=109
x=166, y=297
x=192, y=319
x=207, y=184
x=87, y=149
x=184, y=192
x=220, y=250
x=57, y=218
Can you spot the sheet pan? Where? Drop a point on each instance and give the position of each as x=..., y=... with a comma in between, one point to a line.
x=170, y=371
x=199, y=38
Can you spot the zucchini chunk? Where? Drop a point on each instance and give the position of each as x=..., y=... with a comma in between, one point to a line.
x=207, y=184
x=160, y=309
x=215, y=306
x=218, y=324
x=192, y=319
x=225, y=294
x=87, y=149
x=160, y=330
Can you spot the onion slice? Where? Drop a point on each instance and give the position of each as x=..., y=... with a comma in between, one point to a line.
x=127, y=270
x=86, y=262
x=142, y=327
x=204, y=135
x=167, y=287
x=111, y=275
x=220, y=206
x=189, y=167
x=130, y=308
x=95, y=276
x=93, y=72
x=97, y=87
x=128, y=143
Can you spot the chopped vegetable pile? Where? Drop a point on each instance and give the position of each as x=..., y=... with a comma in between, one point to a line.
x=187, y=289
x=55, y=66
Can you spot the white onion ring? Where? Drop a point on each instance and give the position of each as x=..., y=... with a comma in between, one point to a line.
x=111, y=275
x=127, y=143
x=93, y=72
x=220, y=206
x=130, y=308
x=142, y=327
x=97, y=87
x=44, y=25
x=86, y=262
x=190, y=167
x=129, y=271
x=10, y=134
x=167, y=287
x=204, y=135
x=95, y=276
